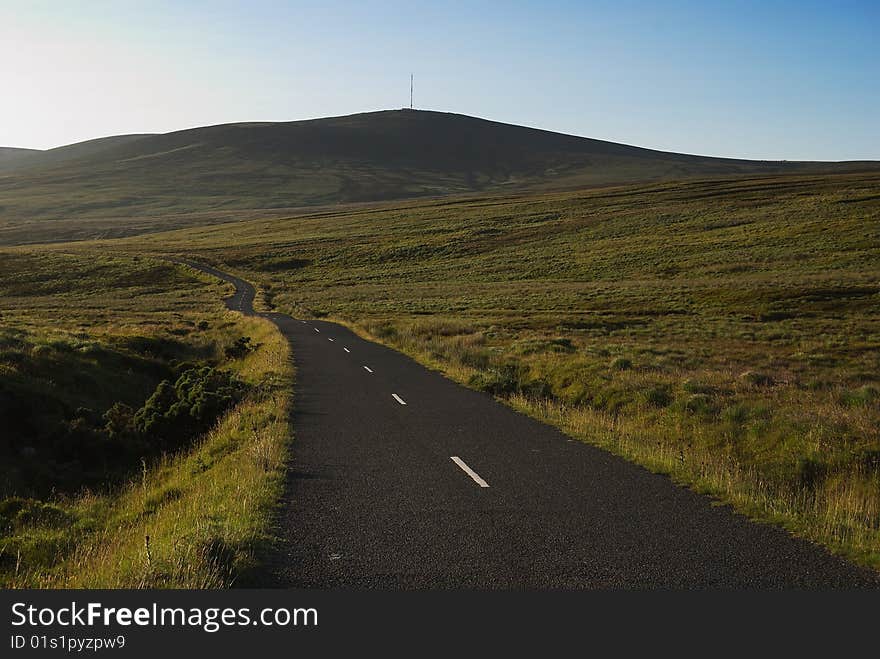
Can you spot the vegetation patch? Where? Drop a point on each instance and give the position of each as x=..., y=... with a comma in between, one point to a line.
x=164, y=471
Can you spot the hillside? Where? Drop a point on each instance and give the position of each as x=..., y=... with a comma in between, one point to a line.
x=17, y=160
x=360, y=158
x=11, y=157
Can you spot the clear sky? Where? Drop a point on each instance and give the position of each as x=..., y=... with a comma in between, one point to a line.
x=764, y=79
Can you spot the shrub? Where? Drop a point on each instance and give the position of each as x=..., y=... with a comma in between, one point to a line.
x=501, y=381
x=621, y=364
x=385, y=331
x=755, y=379
x=240, y=348
x=861, y=397
x=119, y=421
x=695, y=387
x=736, y=415
x=698, y=404
x=537, y=389
x=473, y=358
x=811, y=472
x=16, y=512
x=658, y=396
x=175, y=413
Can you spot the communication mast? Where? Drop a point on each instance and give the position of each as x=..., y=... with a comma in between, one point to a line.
x=410, y=91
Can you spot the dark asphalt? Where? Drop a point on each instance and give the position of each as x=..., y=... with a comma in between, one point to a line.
x=374, y=499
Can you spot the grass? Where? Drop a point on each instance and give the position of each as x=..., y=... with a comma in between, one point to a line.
x=193, y=518
x=725, y=332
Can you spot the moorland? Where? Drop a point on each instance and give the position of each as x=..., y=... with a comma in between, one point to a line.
x=710, y=319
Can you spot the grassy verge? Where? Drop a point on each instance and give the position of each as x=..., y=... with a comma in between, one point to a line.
x=194, y=517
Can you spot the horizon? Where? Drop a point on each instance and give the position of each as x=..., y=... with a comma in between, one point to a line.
x=415, y=109
x=768, y=81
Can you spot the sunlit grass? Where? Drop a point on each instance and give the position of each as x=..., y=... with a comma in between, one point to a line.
x=196, y=519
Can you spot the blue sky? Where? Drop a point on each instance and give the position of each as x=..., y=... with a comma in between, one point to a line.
x=773, y=79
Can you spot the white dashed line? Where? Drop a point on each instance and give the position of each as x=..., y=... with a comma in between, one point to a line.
x=330, y=339
x=470, y=472
x=346, y=350
x=317, y=330
x=368, y=369
x=399, y=399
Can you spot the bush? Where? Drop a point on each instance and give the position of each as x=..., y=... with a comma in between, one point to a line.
x=537, y=389
x=621, y=364
x=383, y=331
x=737, y=415
x=658, y=396
x=240, y=348
x=861, y=397
x=811, y=472
x=694, y=387
x=562, y=345
x=698, y=404
x=511, y=379
x=119, y=422
x=175, y=413
x=501, y=381
x=755, y=379
x=17, y=512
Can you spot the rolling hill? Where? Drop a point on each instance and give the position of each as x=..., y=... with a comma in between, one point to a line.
x=12, y=157
x=123, y=184
x=18, y=160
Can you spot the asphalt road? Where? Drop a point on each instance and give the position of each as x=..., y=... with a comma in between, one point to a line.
x=401, y=478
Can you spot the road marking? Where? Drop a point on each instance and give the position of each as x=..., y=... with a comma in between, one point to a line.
x=368, y=369
x=346, y=350
x=329, y=339
x=317, y=330
x=399, y=399
x=470, y=472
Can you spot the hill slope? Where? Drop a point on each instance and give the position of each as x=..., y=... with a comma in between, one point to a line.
x=11, y=156
x=359, y=158
x=17, y=160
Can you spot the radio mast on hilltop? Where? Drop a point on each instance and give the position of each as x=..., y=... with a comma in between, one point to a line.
x=410, y=90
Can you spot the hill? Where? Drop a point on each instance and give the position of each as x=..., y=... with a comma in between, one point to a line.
x=367, y=157
x=11, y=157
x=16, y=160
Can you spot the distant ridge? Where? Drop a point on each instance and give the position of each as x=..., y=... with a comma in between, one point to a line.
x=374, y=156
x=11, y=157
x=29, y=158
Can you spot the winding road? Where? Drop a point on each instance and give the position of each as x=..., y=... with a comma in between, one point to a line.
x=402, y=479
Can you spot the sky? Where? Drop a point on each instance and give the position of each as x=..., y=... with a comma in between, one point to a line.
x=797, y=80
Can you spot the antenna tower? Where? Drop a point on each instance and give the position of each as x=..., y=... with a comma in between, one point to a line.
x=410, y=90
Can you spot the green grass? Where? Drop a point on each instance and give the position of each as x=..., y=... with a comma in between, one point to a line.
x=725, y=332
x=86, y=330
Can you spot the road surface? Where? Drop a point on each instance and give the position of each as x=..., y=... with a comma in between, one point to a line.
x=402, y=479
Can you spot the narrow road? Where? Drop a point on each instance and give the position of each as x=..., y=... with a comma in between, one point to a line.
x=401, y=478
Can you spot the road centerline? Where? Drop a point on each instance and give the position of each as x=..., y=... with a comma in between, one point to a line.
x=470, y=472
x=346, y=350
x=368, y=369
x=398, y=399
